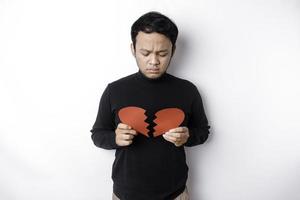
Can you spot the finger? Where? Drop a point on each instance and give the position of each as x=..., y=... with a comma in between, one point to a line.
x=178, y=144
x=168, y=139
x=171, y=138
x=127, y=137
x=178, y=129
x=124, y=126
x=127, y=132
x=132, y=132
x=174, y=134
x=125, y=142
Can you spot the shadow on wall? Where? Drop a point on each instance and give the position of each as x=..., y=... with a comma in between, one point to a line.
x=181, y=55
x=185, y=51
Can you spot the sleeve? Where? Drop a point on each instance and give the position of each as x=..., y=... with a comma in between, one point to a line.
x=198, y=124
x=103, y=130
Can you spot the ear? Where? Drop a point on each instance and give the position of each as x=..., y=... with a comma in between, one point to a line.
x=132, y=49
x=173, y=50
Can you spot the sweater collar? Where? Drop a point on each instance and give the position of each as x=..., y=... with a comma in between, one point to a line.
x=144, y=78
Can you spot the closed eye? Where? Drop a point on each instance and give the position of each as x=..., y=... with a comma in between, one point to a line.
x=163, y=55
x=145, y=54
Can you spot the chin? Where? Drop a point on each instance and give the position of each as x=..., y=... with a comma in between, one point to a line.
x=154, y=76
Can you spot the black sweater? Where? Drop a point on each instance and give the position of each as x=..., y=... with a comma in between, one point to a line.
x=151, y=168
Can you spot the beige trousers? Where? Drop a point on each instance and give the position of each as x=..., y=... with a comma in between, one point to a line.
x=183, y=196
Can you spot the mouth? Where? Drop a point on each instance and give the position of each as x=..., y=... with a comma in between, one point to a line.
x=153, y=71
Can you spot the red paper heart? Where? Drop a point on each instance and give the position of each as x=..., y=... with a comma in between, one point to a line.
x=134, y=117
x=166, y=119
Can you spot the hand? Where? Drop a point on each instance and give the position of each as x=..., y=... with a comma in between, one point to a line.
x=178, y=136
x=124, y=134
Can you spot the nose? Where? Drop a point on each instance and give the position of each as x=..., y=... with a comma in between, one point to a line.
x=154, y=60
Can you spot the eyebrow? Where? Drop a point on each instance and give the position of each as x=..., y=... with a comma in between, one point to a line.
x=164, y=50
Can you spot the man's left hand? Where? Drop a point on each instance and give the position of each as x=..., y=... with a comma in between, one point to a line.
x=178, y=135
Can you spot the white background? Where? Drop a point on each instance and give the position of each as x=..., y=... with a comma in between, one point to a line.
x=56, y=58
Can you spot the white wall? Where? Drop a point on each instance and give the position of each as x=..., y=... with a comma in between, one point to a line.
x=57, y=56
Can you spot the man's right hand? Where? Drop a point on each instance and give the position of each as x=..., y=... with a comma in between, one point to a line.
x=124, y=134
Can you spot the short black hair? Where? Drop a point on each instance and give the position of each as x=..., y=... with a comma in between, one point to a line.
x=155, y=22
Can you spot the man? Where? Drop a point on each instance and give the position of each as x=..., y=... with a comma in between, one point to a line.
x=149, y=116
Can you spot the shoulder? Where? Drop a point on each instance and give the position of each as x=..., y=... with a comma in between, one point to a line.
x=183, y=83
x=123, y=81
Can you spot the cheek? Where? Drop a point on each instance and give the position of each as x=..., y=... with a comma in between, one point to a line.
x=165, y=60
x=141, y=59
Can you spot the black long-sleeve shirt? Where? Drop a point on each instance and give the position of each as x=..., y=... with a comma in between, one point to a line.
x=151, y=168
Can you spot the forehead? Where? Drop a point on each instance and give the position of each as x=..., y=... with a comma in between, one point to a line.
x=152, y=41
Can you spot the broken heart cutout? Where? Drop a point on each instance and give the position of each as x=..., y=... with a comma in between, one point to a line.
x=165, y=120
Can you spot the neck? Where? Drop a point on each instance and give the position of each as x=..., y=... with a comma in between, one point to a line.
x=151, y=80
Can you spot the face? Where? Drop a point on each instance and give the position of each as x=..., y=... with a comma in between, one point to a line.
x=153, y=53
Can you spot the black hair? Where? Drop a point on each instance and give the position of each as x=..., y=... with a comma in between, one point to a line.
x=155, y=22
